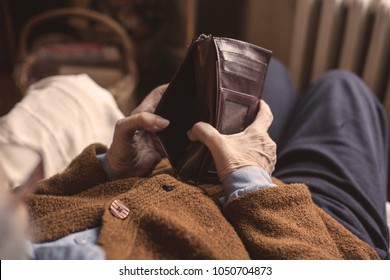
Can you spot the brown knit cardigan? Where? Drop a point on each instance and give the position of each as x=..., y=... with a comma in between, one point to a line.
x=169, y=219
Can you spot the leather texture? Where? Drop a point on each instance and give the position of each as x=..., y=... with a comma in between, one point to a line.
x=220, y=82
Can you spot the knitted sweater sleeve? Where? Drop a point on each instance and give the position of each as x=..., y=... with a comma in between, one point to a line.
x=282, y=222
x=82, y=173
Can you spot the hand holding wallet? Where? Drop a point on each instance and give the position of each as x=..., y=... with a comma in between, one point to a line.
x=219, y=82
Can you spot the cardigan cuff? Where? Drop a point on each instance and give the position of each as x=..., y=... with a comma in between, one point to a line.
x=106, y=166
x=244, y=180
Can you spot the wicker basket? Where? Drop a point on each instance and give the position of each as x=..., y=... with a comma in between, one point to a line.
x=97, y=38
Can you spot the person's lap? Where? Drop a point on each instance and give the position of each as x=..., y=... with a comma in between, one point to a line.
x=333, y=138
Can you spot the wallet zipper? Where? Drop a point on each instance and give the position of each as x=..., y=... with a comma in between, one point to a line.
x=204, y=37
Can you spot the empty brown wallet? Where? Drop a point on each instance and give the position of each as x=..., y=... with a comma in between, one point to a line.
x=219, y=82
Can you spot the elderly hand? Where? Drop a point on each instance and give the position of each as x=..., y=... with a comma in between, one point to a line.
x=132, y=153
x=252, y=147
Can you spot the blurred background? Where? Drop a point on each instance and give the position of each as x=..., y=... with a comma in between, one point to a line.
x=160, y=31
x=308, y=36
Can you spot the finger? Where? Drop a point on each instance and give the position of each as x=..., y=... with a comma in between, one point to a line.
x=204, y=133
x=147, y=121
x=151, y=101
x=264, y=116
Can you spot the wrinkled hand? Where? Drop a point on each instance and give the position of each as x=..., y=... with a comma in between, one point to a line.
x=251, y=147
x=132, y=153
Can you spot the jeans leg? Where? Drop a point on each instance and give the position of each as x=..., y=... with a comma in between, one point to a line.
x=336, y=143
x=280, y=95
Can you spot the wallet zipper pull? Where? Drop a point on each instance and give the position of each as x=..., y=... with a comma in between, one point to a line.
x=201, y=37
x=204, y=37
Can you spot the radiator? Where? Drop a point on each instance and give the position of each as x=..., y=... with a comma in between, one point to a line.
x=347, y=34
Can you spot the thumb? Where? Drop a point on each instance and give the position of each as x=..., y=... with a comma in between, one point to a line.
x=264, y=116
x=204, y=133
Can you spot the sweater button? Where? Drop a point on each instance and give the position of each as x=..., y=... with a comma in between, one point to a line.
x=167, y=188
x=119, y=209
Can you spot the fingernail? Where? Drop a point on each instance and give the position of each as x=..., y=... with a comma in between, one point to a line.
x=161, y=122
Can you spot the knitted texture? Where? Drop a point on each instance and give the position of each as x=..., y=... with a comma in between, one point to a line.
x=169, y=219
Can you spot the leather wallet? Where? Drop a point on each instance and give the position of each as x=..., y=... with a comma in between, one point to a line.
x=219, y=82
